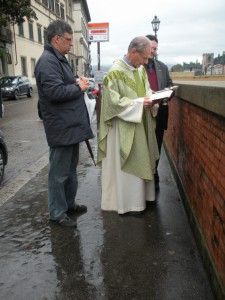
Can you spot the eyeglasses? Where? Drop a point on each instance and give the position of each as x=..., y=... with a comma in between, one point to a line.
x=143, y=57
x=68, y=39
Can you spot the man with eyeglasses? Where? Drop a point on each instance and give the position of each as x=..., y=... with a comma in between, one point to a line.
x=159, y=79
x=65, y=119
x=128, y=148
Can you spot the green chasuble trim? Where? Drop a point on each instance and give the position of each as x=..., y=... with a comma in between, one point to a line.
x=138, y=147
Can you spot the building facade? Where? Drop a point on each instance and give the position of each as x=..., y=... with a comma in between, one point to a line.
x=81, y=17
x=26, y=42
x=207, y=62
x=6, y=41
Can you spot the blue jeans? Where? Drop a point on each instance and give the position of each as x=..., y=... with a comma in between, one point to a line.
x=62, y=180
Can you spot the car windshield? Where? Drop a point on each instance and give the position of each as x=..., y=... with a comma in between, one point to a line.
x=11, y=79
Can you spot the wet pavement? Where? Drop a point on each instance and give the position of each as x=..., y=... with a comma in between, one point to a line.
x=109, y=257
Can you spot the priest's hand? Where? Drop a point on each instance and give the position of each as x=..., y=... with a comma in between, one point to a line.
x=147, y=103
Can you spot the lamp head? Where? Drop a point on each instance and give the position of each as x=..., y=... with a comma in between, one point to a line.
x=155, y=24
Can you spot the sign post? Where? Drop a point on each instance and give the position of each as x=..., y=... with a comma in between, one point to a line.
x=98, y=32
x=1, y=112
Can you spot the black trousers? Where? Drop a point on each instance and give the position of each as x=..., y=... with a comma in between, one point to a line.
x=161, y=125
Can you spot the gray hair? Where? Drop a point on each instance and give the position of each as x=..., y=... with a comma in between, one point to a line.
x=139, y=43
x=58, y=27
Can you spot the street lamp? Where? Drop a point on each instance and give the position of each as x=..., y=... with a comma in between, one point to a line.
x=155, y=25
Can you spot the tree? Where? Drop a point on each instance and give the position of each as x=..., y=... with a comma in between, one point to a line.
x=177, y=68
x=14, y=11
x=219, y=60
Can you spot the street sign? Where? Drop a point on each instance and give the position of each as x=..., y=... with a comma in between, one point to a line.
x=98, y=32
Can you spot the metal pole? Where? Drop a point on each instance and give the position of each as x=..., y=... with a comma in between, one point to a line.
x=156, y=56
x=98, y=105
x=98, y=52
x=1, y=102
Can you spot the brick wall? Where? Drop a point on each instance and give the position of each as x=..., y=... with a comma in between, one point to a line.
x=195, y=141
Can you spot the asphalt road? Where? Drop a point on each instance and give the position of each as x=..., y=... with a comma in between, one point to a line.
x=26, y=142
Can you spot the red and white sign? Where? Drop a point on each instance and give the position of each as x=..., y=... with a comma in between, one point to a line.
x=98, y=32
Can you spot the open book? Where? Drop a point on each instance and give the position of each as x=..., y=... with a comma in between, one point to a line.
x=163, y=94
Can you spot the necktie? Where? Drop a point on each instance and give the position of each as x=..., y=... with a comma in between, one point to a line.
x=151, y=66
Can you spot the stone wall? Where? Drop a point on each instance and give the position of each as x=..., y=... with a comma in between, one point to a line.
x=191, y=76
x=195, y=144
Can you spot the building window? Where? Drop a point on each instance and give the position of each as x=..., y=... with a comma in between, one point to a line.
x=45, y=2
x=52, y=5
x=39, y=34
x=70, y=8
x=33, y=62
x=45, y=36
x=57, y=7
x=84, y=29
x=31, y=32
x=24, y=65
x=2, y=66
x=62, y=12
x=20, y=28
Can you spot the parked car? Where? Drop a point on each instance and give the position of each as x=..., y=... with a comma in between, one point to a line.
x=3, y=155
x=93, y=90
x=15, y=86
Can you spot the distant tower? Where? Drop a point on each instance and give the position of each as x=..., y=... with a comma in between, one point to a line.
x=207, y=61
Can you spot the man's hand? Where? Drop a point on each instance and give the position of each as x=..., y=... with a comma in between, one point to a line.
x=83, y=83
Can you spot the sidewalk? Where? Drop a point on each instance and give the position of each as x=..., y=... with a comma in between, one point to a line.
x=109, y=257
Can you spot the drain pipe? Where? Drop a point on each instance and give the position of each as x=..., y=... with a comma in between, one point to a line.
x=15, y=44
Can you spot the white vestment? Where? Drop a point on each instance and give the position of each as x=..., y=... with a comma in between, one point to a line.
x=123, y=192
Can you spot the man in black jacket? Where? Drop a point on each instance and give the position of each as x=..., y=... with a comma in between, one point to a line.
x=65, y=121
x=159, y=79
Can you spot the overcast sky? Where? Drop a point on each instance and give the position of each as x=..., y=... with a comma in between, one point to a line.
x=187, y=28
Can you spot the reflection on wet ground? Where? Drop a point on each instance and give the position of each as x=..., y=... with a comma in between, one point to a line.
x=108, y=256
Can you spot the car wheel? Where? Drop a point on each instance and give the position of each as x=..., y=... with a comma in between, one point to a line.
x=16, y=95
x=2, y=166
x=30, y=93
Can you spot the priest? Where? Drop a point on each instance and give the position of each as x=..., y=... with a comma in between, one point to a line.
x=127, y=146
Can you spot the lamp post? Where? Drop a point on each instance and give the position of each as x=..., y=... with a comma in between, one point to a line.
x=155, y=25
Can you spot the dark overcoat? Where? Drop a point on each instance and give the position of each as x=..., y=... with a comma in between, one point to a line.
x=63, y=108
x=164, y=80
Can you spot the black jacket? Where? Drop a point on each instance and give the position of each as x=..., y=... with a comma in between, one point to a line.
x=163, y=81
x=64, y=112
x=163, y=76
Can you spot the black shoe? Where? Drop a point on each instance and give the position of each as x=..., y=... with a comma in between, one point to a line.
x=78, y=209
x=135, y=213
x=66, y=222
x=150, y=204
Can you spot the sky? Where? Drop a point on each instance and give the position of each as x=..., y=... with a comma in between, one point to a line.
x=187, y=28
